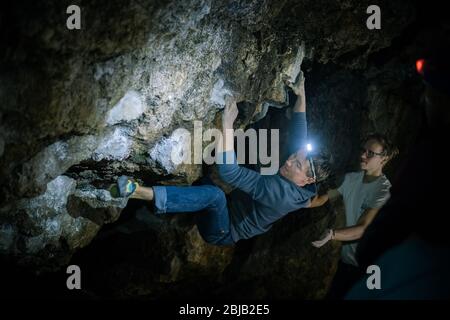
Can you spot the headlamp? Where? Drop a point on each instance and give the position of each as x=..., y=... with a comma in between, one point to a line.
x=309, y=149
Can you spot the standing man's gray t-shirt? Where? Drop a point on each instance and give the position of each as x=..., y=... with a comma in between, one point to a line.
x=359, y=196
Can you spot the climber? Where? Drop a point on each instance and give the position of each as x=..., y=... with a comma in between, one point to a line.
x=364, y=193
x=257, y=200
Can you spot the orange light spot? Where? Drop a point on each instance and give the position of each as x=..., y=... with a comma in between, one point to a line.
x=419, y=65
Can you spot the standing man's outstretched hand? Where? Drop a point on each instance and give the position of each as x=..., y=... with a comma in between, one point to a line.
x=230, y=112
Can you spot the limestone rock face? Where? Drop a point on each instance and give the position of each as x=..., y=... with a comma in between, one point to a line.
x=82, y=107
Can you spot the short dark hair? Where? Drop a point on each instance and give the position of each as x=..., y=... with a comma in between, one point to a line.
x=322, y=162
x=389, y=149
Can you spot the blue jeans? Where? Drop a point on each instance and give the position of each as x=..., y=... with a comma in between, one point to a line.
x=213, y=220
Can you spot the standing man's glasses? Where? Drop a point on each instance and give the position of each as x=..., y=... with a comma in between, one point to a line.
x=370, y=153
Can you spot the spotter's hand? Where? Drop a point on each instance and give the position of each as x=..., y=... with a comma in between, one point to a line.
x=327, y=236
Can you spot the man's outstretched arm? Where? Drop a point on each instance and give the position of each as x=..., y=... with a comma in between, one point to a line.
x=355, y=232
x=349, y=233
x=230, y=172
x=229, y=116
x=318, y=201
x=299, y=90
x=298, y=130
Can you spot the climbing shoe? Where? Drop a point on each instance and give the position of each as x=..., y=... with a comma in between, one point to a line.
x=114, y=191
x=125, y=186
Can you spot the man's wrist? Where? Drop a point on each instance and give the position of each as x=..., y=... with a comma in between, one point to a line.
x=333, y=235
x=227, y=125
x=300, y=105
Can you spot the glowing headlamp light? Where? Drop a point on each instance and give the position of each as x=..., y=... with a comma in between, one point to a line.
x=309, y=148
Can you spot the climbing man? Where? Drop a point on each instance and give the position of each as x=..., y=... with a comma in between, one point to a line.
x=257, y=200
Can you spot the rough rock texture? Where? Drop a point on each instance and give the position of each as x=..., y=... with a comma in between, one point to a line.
x=281, y=264
x=81, y=107
x=152, y=257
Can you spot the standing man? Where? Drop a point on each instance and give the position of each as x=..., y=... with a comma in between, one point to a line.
x=364, y=193
x=409, y=239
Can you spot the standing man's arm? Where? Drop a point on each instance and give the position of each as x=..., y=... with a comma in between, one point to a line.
x=355, y=232
x=318, y=201
x=351, y=233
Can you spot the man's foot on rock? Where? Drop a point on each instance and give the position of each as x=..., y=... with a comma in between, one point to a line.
x=125, y=186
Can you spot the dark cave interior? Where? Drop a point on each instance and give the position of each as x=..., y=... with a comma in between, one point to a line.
x=58, y=87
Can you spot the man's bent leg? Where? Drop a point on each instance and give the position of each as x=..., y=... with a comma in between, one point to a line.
x=213, y=223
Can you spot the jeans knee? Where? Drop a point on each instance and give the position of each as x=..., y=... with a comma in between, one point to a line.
x=222, y=239
x=215, y=239
x=220, y=198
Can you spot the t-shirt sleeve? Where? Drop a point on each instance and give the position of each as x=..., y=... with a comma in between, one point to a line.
x=333, y=194
x=344, y=185
x=237, y=176
x=261, y=188
x=380, y=197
